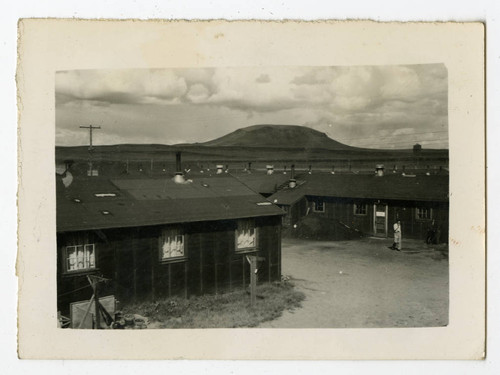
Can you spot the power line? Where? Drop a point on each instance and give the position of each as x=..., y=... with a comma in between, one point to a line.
x=397, y=135
x=410, y=142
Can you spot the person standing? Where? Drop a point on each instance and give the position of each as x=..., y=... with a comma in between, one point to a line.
x=397, y=236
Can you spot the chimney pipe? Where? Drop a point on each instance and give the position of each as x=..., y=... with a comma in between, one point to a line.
x=293, y=182
x=68, y=164
x=333, y=169
x=179, y=177
x=178, y=168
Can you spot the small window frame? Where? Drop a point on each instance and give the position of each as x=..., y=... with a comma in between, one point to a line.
x=428, y=213
x=360, y=209
x=253, y=227
x=174, y=232
x=319, y=206
x=88, y=266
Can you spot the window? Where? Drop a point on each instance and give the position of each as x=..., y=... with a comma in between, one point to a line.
x=286, y=219
x=171, y=244
x=80, y=257
x=423, y=213
x=246, y=235
x=319, y=206
x=360, y=209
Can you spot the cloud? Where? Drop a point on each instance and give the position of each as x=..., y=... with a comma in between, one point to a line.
x=316, y=76
x=400, y=82
x=120, y=86
x=344, y=102
x=263, y=78
x=198, y=93
x=403, y=131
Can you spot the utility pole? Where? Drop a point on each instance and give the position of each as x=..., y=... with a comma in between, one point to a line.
x=94, y=282
x=253, y=261
x=90, y=127
x=90, y=133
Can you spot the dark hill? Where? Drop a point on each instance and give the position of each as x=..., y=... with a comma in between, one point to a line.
x=280, y=136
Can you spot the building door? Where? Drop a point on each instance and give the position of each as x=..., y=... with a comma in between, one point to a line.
x=380, y=220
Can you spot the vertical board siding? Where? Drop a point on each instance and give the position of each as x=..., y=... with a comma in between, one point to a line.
x=341, y=210
x=130, y=258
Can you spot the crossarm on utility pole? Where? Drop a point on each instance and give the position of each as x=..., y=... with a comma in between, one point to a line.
x=90, y=127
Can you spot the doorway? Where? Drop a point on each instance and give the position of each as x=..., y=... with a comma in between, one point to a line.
x=380, y=216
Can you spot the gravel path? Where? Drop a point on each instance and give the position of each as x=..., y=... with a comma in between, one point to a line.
x=351, y=284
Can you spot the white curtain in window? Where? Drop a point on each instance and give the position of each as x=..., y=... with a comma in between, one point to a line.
x=246, y=234
x=172, y=244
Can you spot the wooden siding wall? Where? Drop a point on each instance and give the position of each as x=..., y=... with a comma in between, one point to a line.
x=342, y=210
x=130, y=259
x=295, y=212
x=416, y=228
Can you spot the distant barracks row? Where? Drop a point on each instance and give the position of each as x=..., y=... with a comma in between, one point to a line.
x=366, y=204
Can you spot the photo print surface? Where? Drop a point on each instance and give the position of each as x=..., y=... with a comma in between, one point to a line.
x=268, y=197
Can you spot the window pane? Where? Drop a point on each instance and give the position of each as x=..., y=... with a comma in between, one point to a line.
x=71, y=257
x=80, y=257
x=423, y=213
x=90, y=256
x=172, y=244
x=245, y=236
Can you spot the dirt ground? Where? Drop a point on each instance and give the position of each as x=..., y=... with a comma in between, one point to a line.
x=355, y=284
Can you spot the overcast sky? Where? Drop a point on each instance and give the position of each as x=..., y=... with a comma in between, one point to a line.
x=369, y=106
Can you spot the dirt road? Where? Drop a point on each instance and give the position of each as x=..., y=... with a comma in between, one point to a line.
x=352, y=284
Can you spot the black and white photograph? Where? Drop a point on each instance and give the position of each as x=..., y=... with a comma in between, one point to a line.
x=251, y=190
x=267, y=197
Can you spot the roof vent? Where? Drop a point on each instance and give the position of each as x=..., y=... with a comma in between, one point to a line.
x=264, y=203
x=179, y=177
x=270, y=169
x=104, y=195
x=292, y=182
x=220, y=168
x=379, y=170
